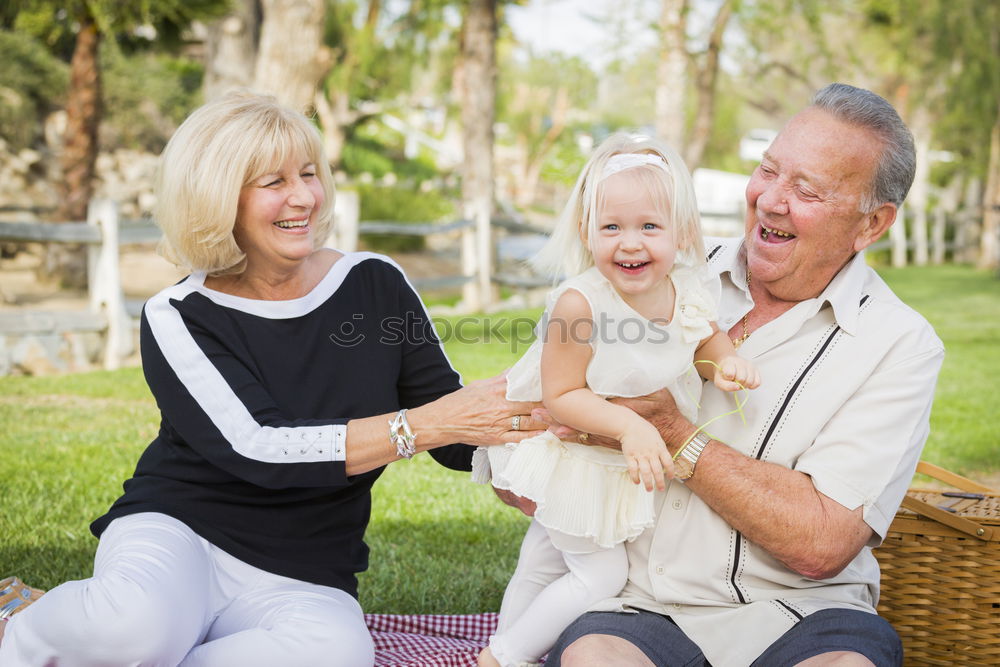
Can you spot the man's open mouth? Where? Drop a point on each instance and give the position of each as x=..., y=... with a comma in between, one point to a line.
x=774, y=235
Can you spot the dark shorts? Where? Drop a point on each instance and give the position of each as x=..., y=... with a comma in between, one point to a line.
x=822, y=632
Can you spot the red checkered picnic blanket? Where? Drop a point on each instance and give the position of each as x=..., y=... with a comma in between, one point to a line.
x=432, y=640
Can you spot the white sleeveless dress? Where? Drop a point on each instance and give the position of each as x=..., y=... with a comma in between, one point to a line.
x=583, y=493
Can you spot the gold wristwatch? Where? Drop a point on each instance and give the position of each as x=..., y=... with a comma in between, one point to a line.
x=687, y=458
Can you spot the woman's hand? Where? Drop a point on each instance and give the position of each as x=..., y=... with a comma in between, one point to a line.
x=476, y=414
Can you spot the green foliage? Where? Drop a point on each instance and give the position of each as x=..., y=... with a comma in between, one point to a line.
x=46, y=22
x=371, y=41
x=365, y=157
x=31, y=81
x=146, y=96
x=55, y=22
x=527, y=90
x=375, y=150
x=401, y=203
x=146, y=92
x=564, y=164
x=722, y=151
x=945, y=51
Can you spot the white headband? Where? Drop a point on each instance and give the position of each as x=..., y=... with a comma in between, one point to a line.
x=623, y=161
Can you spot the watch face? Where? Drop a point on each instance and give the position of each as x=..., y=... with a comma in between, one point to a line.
x=683, y=469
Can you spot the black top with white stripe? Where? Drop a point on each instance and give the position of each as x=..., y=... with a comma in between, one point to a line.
x=253, y=397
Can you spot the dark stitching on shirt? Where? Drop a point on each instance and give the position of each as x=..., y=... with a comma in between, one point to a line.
x=791, y=393
x=795, y=612
x=736, y=565
x=770, y=431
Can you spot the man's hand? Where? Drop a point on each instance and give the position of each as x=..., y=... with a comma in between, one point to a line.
x=526, y=506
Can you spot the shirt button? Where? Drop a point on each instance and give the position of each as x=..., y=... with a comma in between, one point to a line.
x=677, y=504
x=676, y=606
x=659, y=570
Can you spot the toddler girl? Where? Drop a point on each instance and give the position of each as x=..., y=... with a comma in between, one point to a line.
x=638, y=309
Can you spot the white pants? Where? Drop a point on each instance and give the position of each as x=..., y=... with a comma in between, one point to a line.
x=163, y=596
x=549, y=590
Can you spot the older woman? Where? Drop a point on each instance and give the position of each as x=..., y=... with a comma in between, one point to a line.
x=287, y=375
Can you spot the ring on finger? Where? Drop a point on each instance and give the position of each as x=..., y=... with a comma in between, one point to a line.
x=515, y=423
x=583, y=437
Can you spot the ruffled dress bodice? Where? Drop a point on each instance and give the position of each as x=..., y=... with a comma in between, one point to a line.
x=583, y=492
x=633, y=356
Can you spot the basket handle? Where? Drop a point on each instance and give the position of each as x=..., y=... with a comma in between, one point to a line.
x=948, y=477
x=961, y=524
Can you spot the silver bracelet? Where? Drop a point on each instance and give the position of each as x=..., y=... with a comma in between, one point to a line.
x=401, y=435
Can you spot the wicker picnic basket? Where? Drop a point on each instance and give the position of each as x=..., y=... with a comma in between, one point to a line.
x=941, y=573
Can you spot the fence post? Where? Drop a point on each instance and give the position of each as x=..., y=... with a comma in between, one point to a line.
x=105, y=285
x=470, y=269
x=897, y=236
x=484, y=249
x=344, y=235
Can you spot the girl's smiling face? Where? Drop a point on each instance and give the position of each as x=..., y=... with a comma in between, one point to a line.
x=634, y=245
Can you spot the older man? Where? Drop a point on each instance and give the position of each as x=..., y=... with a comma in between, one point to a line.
x=763, y=555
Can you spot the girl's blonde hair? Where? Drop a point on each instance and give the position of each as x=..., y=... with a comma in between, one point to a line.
x=221, y=147
x=568, y=252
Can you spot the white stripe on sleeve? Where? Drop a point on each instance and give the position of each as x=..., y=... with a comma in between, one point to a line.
x=287, y=444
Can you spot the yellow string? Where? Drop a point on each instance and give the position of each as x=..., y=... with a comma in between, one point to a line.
x=737, y=410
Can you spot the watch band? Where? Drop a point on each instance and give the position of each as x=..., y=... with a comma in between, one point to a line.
x=687, y=458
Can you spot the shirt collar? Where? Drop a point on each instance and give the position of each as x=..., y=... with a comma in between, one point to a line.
x=730, y=255
x=843, y=293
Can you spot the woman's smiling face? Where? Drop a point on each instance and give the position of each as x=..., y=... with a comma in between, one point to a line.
x=273, y=220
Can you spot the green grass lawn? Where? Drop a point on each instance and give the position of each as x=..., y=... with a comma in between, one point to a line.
x=439, y=543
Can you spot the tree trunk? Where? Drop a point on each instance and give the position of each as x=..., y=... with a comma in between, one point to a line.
x=231, y=49
x=989, y=241
x=292, y=59
x=705, y=82
x=531, y=167
x=921, y=126
x=334, y=118
x=478, y=88
x=332, y=100
x=67, y=263
x=671, y=73
x=969, y=220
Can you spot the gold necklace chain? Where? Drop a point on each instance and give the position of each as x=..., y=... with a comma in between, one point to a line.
x=746, y=329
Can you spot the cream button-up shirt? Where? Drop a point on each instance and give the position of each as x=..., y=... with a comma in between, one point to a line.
x=847, y=384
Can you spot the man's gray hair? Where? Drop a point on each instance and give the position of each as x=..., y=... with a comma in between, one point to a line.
x=897, y=163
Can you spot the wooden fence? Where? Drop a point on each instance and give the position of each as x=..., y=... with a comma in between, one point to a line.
x=108, y=312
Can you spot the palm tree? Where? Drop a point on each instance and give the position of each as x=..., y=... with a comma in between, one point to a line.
x=94, y=21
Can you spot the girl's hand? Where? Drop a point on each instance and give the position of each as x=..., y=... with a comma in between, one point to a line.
x=735, y=373
x=646, y=455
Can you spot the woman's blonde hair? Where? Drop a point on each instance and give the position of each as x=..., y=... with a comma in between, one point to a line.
x=568, y=252
x=221, y=147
